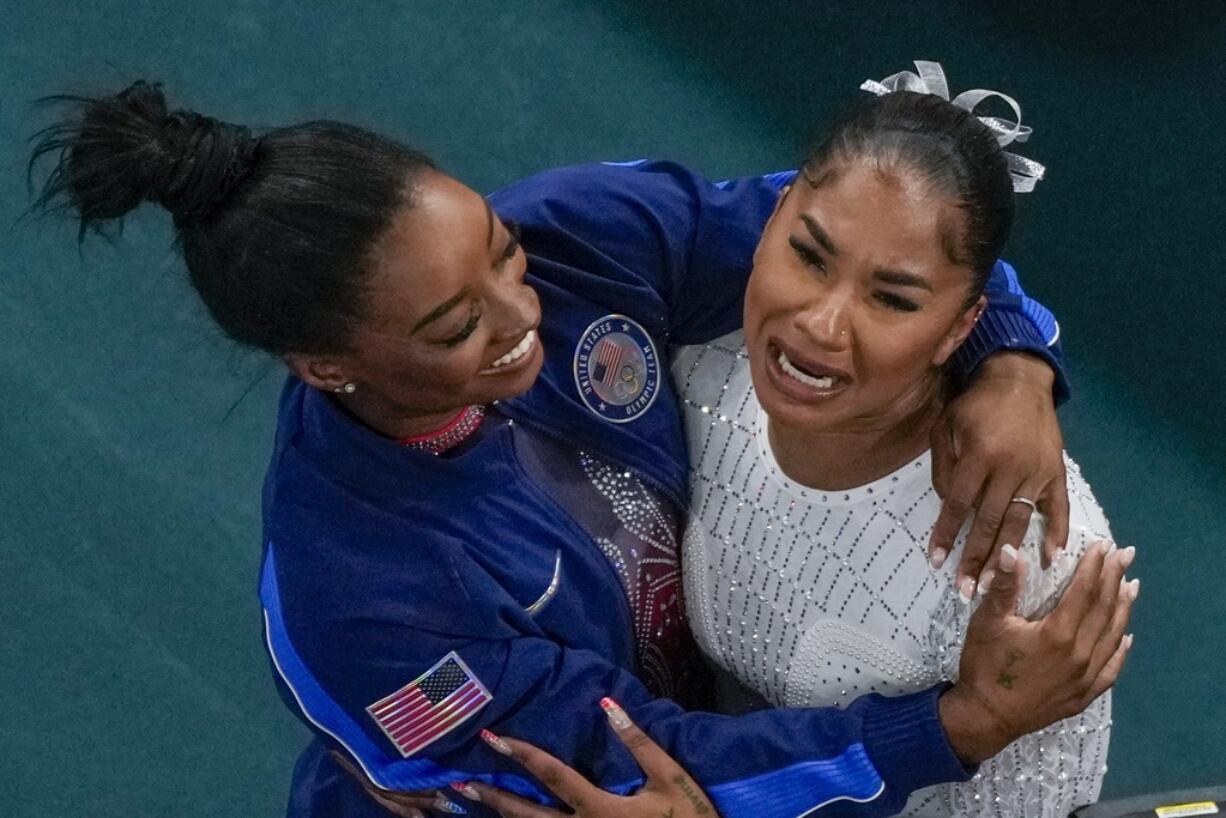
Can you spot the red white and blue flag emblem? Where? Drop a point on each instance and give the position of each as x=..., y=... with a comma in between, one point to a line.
x=430, y=706
x=608, y=357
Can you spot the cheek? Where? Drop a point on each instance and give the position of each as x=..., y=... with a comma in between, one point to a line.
x=897, y=354
x=413, y=374
x=773, y=289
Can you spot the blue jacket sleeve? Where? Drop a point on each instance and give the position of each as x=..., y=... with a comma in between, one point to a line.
x=786, y=762
x=1013, y=321
x=685, y=243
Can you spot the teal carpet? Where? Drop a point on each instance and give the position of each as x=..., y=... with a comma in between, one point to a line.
x=133, y=438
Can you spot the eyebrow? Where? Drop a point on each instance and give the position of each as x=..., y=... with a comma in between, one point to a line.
x=489, y=215
x=441, y=310
x=902, y=279
x=898, y=277
x=819, y=235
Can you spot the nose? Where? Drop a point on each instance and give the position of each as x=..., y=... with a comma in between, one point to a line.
x=826, y=321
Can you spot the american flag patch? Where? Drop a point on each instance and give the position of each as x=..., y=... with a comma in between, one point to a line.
x=430, y=706
x=608, y=356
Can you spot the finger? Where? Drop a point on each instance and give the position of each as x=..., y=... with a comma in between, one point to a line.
x=1100, y=614
x=994, y=509
x=656, y=764
x=1055, y=507
x=1000, y=599
x=1079, y=597
x=944, y=458
x=1109, y=642
x=964, y=487
x=569, y=786
x=1111, y=672
x=396, y=808
x=398, y=803
x=507, y=804
x=1016, y=520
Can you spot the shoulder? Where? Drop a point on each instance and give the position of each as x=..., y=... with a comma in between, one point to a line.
x=701, y=371
x=580, y=191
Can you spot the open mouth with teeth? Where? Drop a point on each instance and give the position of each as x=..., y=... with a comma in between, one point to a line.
x=808, y=379
x=803, y=381
x=516, y=357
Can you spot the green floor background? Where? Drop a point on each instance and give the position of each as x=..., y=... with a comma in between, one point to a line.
x=133, y=438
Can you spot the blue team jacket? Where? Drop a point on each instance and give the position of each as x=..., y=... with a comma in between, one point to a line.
x=381, y=561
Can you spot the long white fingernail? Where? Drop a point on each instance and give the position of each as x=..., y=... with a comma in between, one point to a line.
x=616, y=715
x=938, y=557
x=966, y=590
x=985, y=581
x=1128, y=555
x=1008, y=558
x=1128, y=642
x=1134, y=589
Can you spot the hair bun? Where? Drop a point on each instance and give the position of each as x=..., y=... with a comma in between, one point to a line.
x=209, y=158
x=118, y=151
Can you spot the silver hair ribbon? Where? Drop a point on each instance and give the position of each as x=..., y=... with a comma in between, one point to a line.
x=930, y=79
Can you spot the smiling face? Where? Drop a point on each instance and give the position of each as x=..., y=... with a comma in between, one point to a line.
x=449, y=320
x=854, y=303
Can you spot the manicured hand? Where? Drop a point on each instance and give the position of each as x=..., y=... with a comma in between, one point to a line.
x=1018, y=676
x=668, y=791
x=998, y=440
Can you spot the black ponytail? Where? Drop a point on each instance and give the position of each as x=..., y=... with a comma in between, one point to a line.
x=954, y=152
x=277, y=232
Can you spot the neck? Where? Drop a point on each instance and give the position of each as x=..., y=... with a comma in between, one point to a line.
x=866, y=450
x=396, y=422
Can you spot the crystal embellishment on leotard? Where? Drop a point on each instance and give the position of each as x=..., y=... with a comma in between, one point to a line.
x=649, y=571
x=815, y=598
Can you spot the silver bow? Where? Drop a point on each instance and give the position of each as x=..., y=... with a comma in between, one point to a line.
x=1026, y=173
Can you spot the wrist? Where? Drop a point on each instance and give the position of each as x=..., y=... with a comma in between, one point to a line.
x=1021, y=367
x=974, y=731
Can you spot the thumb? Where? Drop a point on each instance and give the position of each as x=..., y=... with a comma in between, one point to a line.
x=1000, y=599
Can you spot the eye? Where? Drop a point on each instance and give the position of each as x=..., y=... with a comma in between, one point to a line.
x=896, y=302
x=807, y=254
x=513, y=245
x=463, y=334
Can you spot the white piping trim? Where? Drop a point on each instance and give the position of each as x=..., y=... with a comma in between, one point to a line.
x=535, y=607
x=277, y=664
x=873, y=797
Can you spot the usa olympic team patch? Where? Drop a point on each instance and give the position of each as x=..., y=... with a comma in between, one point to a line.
x=617, y=371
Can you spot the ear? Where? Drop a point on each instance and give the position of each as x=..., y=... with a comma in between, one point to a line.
x=959, y=331
x=320, y=371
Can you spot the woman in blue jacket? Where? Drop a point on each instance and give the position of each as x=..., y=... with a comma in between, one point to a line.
x=472, y=508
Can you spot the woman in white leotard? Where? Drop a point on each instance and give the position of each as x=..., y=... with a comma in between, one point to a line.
x=806, y=574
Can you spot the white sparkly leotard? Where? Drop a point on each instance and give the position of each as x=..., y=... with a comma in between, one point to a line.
x=814, y=598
